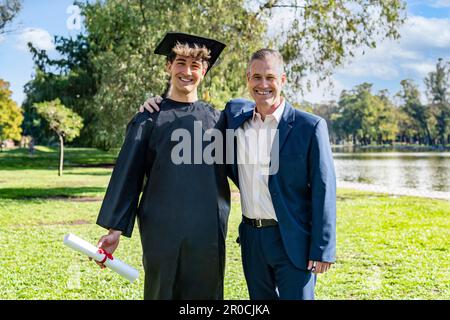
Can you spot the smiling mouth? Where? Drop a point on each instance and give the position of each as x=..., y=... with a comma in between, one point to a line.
x=186, y=80
x=263, y=92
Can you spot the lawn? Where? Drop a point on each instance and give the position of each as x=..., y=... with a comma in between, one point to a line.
x=387, y=247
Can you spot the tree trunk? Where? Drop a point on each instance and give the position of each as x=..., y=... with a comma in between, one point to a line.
x=428, y=133
x=61, y=155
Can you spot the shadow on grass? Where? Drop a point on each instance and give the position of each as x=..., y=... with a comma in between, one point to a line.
x=21, y=159
x=353, y=195
x=106, y=173
x=53, y=193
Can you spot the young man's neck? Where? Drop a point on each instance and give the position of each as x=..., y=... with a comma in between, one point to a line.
x=190, y=97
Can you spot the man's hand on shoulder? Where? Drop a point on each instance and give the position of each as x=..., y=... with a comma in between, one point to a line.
x=151, y=104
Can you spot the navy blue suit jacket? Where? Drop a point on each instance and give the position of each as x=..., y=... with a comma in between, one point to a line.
x=303, y=190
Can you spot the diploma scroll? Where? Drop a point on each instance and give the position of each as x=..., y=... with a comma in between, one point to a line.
x=116, y=265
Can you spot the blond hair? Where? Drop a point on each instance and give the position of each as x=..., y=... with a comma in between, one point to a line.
x=196, y=52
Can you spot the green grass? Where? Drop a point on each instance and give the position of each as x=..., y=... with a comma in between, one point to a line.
x=387, y=247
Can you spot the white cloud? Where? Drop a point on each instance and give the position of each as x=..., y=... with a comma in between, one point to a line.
x=441, y=4
x=421, y=33
x=422, y=41
x=40, y=39
x=421, y=68
x=322, y=92
x=377, y=69
x=2, y=38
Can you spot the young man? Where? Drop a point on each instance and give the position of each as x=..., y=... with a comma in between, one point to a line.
x=287, y=234
x=183, y=211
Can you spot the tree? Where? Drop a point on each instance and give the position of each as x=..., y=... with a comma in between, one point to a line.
x=385, y=122
x=365, y=117
x=327, y=111
x=8, y=11
x=418, y=113
x=438, y=92
x=63, y=121
x=324, y=33
x=123, y=35
x=10, y=115
x=70, y=78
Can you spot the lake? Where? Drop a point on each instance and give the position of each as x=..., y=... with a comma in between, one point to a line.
x=425, y=173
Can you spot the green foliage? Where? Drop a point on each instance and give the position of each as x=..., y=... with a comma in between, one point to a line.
x=69, y=78
x=63, y=121
x=8, y=11
x=123, y=36
x=414, y=116
x=10, y=115
x=106, y=74
x=438, y=86
x=365, y=117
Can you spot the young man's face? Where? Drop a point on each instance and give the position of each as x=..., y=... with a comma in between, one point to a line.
x=265, y=80
x=186, y=73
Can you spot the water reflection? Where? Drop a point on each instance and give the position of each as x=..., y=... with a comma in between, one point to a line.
x=426, y=171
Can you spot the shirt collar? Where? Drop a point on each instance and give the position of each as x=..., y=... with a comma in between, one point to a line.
x=277, y=114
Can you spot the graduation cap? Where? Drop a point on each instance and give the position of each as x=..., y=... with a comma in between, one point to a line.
x=171, y=38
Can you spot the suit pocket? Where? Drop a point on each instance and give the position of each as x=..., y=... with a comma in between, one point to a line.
x=292, y=157
x=292, y=164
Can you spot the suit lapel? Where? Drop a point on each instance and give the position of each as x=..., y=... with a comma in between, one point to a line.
x=283, y=130
x=285, y=126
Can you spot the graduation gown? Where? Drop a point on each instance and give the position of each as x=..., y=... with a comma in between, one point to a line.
x=183, y=211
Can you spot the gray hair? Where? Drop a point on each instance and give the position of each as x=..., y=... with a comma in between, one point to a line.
x=262, y=54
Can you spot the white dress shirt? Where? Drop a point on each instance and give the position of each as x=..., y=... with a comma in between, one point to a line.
x=254, y=143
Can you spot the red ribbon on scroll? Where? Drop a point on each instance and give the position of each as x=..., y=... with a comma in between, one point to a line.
x=107, y=255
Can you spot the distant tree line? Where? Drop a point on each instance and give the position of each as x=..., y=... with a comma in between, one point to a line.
x=363, y=118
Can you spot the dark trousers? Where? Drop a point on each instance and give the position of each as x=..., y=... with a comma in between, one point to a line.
x=193, y=274
x=269, y=273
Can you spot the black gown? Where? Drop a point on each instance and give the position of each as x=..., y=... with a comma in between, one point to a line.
x=183, y=212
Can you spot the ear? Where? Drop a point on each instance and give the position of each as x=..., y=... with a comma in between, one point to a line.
x=283, y=78
x=168, y=66
x=247, y=76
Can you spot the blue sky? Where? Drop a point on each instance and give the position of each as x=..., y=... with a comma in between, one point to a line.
x=425, y=38
x=38, y=22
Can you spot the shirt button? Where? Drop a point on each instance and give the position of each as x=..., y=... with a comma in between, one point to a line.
x=274, y=194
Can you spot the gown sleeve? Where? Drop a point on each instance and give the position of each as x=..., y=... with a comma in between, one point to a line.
x=119, y=207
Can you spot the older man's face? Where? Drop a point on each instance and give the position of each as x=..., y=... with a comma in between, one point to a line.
x=265, y=80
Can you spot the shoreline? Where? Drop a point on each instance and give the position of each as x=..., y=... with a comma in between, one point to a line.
x=441, y=195
x=396, y=147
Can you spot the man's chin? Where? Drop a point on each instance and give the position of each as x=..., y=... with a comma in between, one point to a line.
x=264, y=103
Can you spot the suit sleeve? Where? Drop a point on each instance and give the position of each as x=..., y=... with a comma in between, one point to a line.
x=229, y=144
x=119, y=207
x=323, y=188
